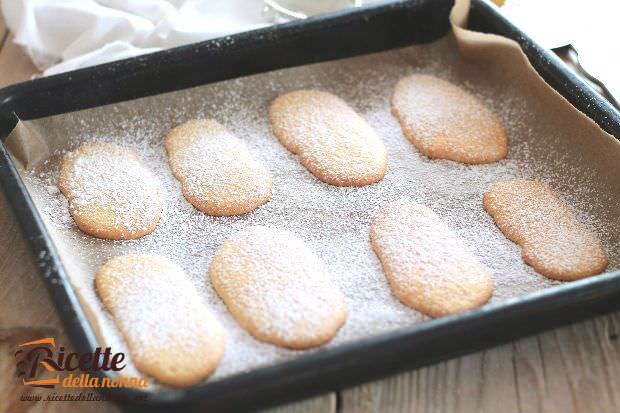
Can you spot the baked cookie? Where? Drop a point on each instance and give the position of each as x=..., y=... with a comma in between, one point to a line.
x=217, y=171
x=444, y=121
x=277, y=288
x=332, y=141
x=111, y=194
x=427, y=265
x=171, y=334
x=553, y=240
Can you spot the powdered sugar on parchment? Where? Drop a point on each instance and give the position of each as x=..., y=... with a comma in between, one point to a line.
x=333, y=221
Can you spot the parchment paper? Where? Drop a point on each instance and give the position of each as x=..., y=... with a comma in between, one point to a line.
x=549, y=141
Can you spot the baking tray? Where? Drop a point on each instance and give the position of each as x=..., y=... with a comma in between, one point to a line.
x=334, y=36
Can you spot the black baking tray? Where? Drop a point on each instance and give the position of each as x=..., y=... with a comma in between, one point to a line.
x=343, y=34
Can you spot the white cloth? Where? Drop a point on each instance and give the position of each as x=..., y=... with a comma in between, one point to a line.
x=62, y=35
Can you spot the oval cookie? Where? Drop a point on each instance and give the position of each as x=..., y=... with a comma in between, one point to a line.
x=332, y=141
x=218, y=173
x=171, y=334
x=111, y=194
x=427, y=265
x=277, y=288
x=444, y=121
x=553, y=240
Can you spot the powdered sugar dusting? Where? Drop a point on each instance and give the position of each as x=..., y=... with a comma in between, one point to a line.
x=154, y=322
x=429, y=268
x=110, y=191
x=218, y=173
x=277, y=287
x=443, y=121
x=159, y=312
x=332, y=141
x=333, y=221
x=553, y=240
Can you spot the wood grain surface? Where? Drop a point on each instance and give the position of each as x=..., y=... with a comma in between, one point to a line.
x=571, y=369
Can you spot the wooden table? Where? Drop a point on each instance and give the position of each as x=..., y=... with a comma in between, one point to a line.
x=571, y=369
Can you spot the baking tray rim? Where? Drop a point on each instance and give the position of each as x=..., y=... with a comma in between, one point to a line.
x=558, y=304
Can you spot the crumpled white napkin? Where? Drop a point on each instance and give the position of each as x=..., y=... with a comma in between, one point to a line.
x=62, y=35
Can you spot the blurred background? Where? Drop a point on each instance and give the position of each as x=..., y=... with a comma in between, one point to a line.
x=62, y=35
